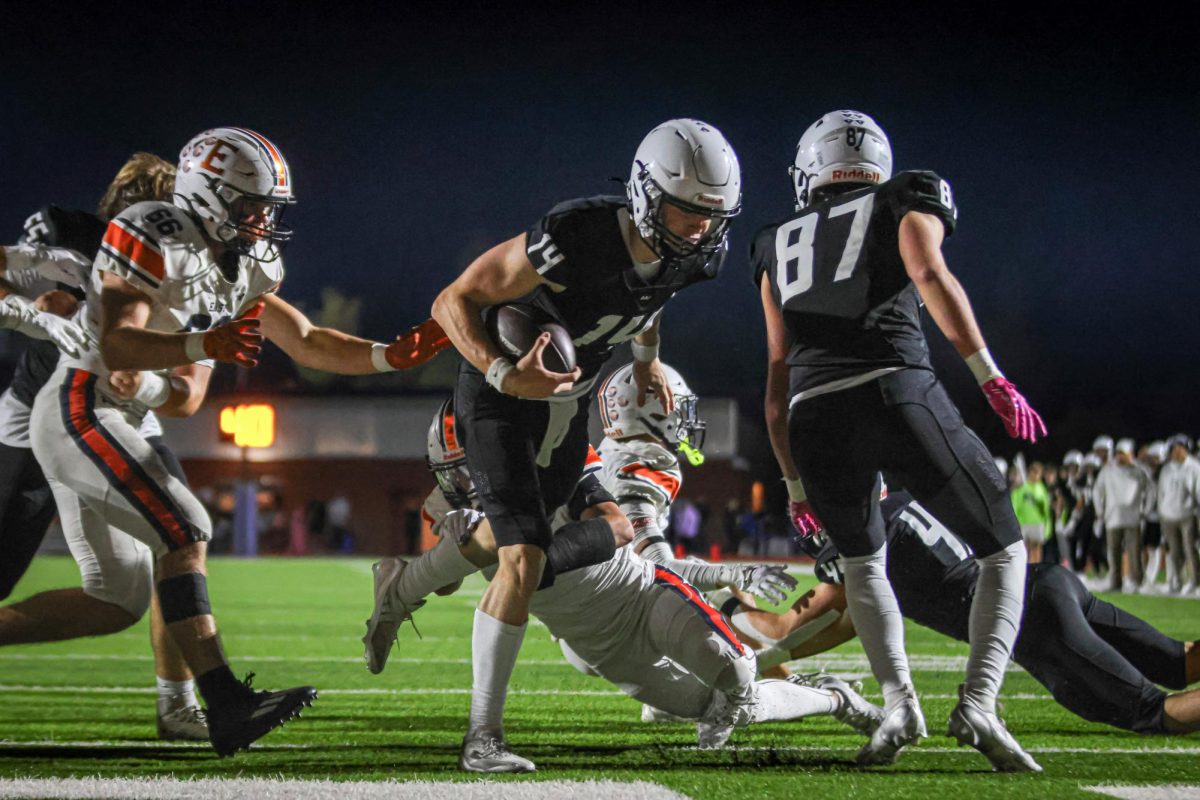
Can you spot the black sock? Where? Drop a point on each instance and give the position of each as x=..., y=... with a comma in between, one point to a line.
x=219, y=688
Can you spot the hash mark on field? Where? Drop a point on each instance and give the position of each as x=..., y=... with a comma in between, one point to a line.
x=1166, y=791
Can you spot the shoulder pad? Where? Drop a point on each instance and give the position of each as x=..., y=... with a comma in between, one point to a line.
x=565, y=226
x=922, y=191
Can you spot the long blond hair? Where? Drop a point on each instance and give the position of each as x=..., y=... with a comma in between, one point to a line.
x=144, y=176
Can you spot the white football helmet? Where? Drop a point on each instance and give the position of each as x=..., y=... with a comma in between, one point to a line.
x=688, y=164
x=840, y=147
x=447, y=460
x=622, y=417
x=1073, y=458
x=238, y=183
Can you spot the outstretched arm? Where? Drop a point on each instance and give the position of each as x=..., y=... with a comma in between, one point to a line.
x=920, y=240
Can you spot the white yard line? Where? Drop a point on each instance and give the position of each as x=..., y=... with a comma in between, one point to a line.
x=1166, y=791
x=167, y=788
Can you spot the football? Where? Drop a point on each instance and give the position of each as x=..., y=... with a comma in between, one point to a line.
x=514, y=327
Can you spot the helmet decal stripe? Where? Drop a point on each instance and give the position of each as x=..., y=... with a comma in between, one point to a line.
x=273, y=156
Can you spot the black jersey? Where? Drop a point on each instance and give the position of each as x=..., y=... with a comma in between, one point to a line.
x=932, y=572
x=595, y=291
x=836, y=272
x=53, y=227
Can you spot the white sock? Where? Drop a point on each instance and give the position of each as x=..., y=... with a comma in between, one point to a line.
x=876, y=614
x=994, y=622
x=430, y=571
x=494, y=648
x=780, y=700
x=1154, y=562
x=175, y=694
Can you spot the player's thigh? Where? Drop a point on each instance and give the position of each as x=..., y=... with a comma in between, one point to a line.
x=99, y=456
x=936, y=457
x=693, y=634
x=500, y=435
x=167, y=456
x=114, y=567
x=559, y=479
x=831, y=443
x=659, y=683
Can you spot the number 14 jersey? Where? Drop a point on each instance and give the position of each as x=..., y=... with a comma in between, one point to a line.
x=835, y=271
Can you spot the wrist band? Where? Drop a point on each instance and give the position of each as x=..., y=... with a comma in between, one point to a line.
x=983, y=366
x=379, y=358
x=497, y=372
x=154, y=390
x=193, y=347
x=795, y=488
x=644, y=352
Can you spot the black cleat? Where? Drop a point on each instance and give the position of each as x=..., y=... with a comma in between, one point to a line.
x=253, y=716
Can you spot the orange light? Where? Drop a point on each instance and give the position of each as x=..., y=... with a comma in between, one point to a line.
x=250, y=425
x=756, y=497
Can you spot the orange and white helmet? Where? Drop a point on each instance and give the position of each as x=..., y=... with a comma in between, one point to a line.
x=447, y=460
x=622, y=417
x=238, y=183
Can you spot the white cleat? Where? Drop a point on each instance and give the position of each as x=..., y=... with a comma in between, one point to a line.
x=901, y=726
x=488, y=752
x=652, y=714
x=387, y=615
x=185, y=723
x=985, y=731
x=855, y=710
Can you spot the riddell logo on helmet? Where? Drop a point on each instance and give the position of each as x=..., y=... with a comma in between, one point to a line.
x=856, y=174
x=714, y=200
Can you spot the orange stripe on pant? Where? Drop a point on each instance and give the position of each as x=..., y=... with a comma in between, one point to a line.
x=95, y=441
x=710, y=614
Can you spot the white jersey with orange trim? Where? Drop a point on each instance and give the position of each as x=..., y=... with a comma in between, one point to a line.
x=160, y=250
x=643, y=476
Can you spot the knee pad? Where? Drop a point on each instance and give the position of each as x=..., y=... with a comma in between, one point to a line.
x=737, y=677
x=127, y=584
x=183, y=597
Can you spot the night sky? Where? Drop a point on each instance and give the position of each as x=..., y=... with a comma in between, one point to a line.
x=416, y=141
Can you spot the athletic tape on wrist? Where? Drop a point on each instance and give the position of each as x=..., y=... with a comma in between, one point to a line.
x=644, y=352
x=497, y=372
x=193, y=347
x=379, y=358
x=154, y=390
x=983, y=366
x=795, y=489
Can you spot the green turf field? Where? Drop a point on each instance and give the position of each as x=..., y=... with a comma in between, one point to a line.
x=87, y=708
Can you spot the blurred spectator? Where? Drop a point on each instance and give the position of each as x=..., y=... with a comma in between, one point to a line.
x=1151, y=458
x=1122, y=496
x=1052, y=551
x=685, y=523
x=1102, y=448
x=1031, y=502
x=1178, y=501
x=1067, y=503
x=1090, y=531
x=731, y=533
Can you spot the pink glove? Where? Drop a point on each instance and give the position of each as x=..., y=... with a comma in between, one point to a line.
x=804, y=519
x=1020, y=420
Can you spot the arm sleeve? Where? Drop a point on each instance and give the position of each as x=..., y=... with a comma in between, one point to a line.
x=762, y=252
x=549, y=242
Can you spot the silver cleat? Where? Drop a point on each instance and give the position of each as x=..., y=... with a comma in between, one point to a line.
x=488, y=752
x=901, y=726
x=387, y=615
x=985, y=731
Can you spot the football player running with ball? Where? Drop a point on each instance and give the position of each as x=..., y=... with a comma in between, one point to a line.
x=175, y=287
x=851, y=393
x=602, y=267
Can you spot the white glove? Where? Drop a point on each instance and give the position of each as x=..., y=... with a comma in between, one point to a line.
x=768, y=581
x=20, y=315
x=459, y=524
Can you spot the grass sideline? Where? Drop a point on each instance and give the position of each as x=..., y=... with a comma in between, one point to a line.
x=84, y=709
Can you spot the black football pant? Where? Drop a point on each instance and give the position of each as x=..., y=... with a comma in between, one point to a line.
x=904, y=425
x=502, y=436
x=1098, y=661
x=27, y=507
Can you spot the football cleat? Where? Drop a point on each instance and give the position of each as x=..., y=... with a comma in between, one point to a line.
x=488, y=752
x=185, y=723
x=985, y=731
x=720, y=720
x=387, y=615
x=235, y=726
x=903, y=725
x=854, y=710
